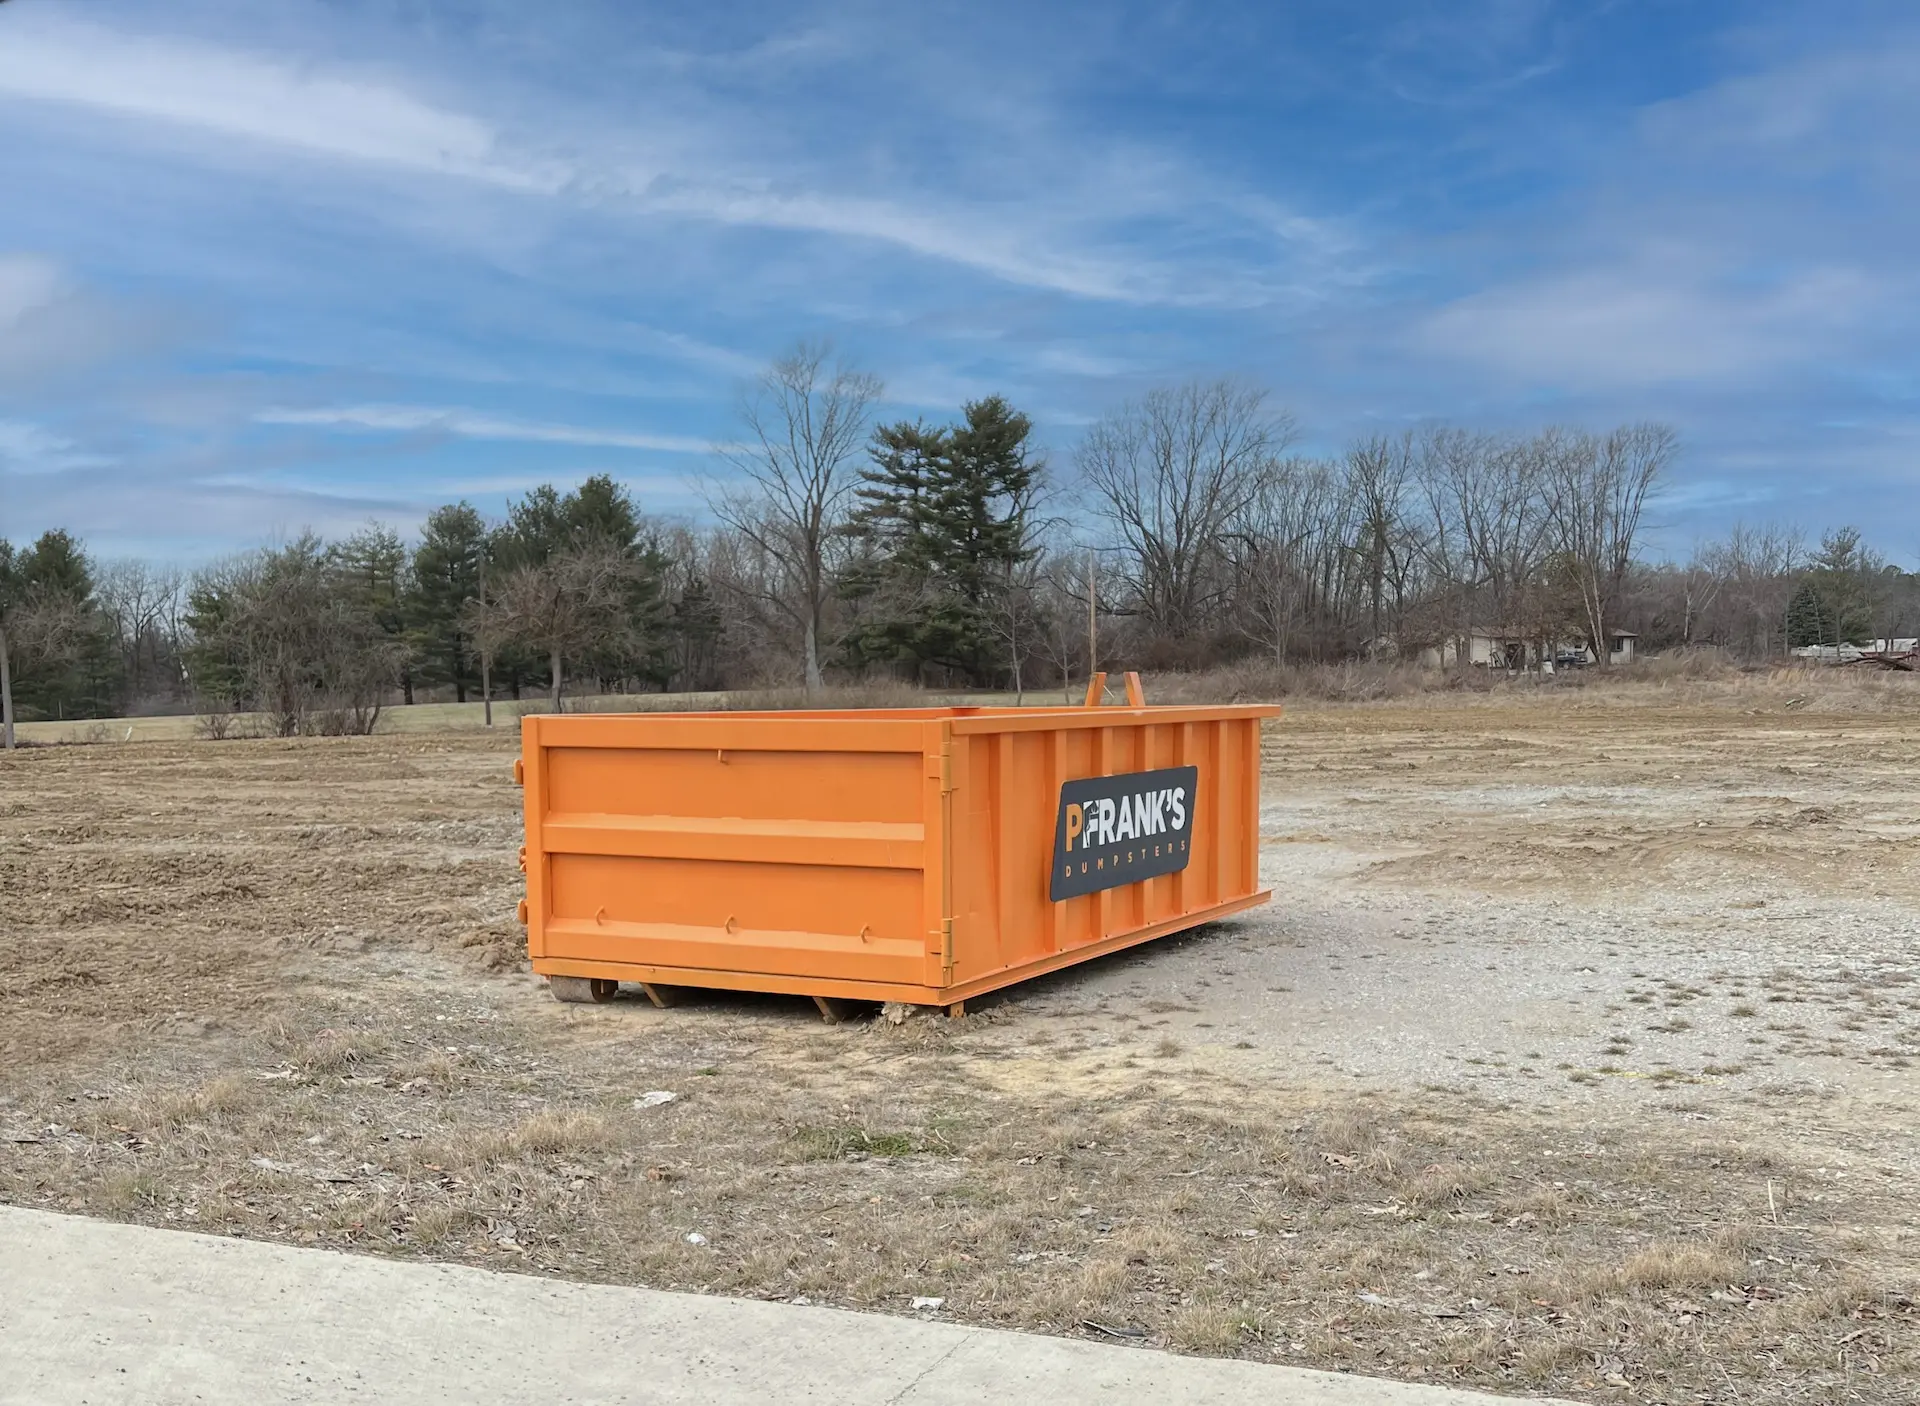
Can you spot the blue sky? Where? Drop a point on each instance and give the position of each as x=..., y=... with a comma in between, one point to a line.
x=271, y=264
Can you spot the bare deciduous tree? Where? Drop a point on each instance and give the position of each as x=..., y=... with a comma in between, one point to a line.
x=139, y=603
x=1279, y=550
x=278, y=627
x=577, y=602
x=1701, y=581
x=1173, y=471
x=38, y=626
x=1377, y=478
x=805, y=421
x=1762, y=565
x=1597, y=491
x=36, y=629
x=1488, y=526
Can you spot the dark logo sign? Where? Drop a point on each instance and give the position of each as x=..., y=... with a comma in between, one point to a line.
x=1116, y=830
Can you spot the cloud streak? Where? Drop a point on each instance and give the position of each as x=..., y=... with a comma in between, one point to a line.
x=1646, y=325
x=1060, y=229
x=469, y=424
x=251, y=99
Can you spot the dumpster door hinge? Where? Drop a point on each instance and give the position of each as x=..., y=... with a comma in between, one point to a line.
x=946, y=770
x=946, y=948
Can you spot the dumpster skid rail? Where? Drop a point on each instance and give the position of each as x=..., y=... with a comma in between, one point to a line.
x=924, y=855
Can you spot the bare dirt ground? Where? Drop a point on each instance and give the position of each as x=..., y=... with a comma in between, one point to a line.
x=1576, y=1055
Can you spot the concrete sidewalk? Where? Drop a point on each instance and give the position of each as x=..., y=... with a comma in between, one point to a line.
x=99, y=1313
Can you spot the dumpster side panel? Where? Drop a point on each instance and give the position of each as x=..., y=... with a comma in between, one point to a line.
x=788, y=848
x=1006, y=805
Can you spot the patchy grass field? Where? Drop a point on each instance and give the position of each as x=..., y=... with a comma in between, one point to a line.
x=275, y=989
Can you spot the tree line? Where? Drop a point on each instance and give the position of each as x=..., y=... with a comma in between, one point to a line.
x=1185, y=531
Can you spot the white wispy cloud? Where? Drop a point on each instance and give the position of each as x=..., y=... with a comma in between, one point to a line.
x=989, y=247
x=470, y=424
x=692, y=351
x=1639, y=324
x=1710, y=249
x=26, y=447
x=1064, y=224
x=252, y=98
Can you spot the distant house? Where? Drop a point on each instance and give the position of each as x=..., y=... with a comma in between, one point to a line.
x=1512, y=649
x=1620, y=647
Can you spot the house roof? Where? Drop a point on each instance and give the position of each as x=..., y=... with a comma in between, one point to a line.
x=1515, y=632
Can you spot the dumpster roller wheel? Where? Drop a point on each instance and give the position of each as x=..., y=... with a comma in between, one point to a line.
x=584, y=990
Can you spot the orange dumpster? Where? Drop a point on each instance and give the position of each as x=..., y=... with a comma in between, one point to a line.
x=921, y=855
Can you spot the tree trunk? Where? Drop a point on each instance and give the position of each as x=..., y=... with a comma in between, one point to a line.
x=814, y=681
x=553, y=663
x=6, y=693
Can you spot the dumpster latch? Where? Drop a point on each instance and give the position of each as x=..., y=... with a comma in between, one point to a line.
x=519, y=771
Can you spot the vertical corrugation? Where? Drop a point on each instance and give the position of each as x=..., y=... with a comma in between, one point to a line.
x=1005, y=830
x=1103, y=900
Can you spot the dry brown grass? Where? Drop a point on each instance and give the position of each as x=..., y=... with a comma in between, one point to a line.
x=273, y=990
x=1442, y=1241
x=1699, y=679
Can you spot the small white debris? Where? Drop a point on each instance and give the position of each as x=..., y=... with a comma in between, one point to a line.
x=654, y=1099
x=933, y=1305
x=694, y=1237
x=267, y=1164
x=274, y=1074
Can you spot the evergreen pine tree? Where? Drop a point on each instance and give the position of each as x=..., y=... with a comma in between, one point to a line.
x=546, y=528
x=1809, y=622
x=370, y=568
x=80, y=677
x=445, y=579
x=942, y=523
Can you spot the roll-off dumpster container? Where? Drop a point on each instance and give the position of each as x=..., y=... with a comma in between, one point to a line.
x=917, y=855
